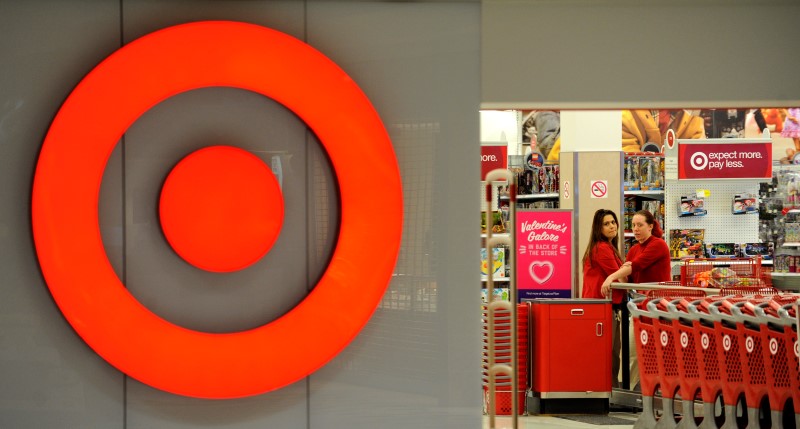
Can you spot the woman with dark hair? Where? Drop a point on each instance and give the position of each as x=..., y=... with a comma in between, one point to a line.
x=648, y=260
x=601, y=257
x=599, y=261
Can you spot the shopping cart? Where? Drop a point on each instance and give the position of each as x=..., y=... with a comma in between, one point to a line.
x=778, y=329
x=677, y=361
x=712, y=374
x=739, y=352
x=676, y=290
x=646, y=335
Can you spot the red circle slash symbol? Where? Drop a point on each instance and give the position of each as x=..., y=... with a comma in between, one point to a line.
x=599, y=189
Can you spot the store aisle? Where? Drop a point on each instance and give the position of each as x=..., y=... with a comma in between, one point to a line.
x=611, y=421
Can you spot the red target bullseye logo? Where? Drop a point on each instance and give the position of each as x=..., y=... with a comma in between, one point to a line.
x=65, y=209
x=221, y=208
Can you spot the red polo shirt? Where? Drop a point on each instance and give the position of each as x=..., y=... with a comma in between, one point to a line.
x=650, y=261
x=602, y=262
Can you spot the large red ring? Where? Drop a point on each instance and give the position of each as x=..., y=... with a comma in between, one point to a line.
x=65, y=209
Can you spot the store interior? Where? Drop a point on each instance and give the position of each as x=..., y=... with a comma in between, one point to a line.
x=723, y=219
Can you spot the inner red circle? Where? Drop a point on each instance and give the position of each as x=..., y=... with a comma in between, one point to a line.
x=221, y=208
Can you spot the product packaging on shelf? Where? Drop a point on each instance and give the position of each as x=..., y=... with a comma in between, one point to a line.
x=750, y=250
x=632, y=176
x=498, y=263
x=538, y=180
x=686, y=243
x=500, y=294
x=721, y=250
x=744, y=204
x=630, y=210
x=791, y=232
x=650, y=173
x=692, y=206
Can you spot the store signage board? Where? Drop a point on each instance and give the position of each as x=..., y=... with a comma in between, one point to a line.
x=493, y=156
x=670, y=156
x=544, y=253
x=721, y=159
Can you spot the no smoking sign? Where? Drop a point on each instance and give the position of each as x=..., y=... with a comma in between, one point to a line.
x=599, y=189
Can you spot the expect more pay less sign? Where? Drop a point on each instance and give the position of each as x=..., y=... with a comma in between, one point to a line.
x=741, y=160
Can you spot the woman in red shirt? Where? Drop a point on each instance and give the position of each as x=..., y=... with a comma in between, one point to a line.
x=601, y=258
x=648, y=260
x=599, y=261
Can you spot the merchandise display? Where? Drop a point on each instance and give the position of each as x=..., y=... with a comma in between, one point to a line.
x=643, y=172
x=686, y=243
x=779, y=221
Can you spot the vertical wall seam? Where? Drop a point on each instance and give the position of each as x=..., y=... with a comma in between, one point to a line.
x=123, y=182
x=309, y=182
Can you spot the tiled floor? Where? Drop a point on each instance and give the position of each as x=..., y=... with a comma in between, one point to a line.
x=553, y=422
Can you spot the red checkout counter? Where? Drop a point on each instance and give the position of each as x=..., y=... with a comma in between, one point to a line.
x=571, y=356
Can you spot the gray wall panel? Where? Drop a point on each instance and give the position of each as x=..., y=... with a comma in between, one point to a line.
x=141, y=17
x=51, y=379
x=408, y=368
x=632, y=53
x=416, y=364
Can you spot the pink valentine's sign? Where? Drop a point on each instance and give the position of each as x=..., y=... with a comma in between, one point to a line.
x=544, y=253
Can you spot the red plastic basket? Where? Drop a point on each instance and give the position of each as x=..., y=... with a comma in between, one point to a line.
x=741, y=272
x=503, y=347
x=502, y=402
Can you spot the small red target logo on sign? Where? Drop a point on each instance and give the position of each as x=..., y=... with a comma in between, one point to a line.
x=65, y=209
x=670, y=138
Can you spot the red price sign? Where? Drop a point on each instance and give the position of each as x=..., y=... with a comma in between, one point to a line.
x=725, y=161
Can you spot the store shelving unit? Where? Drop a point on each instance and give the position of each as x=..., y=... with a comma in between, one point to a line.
x=640, y=193
x=646, y=193
x=544, y=196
